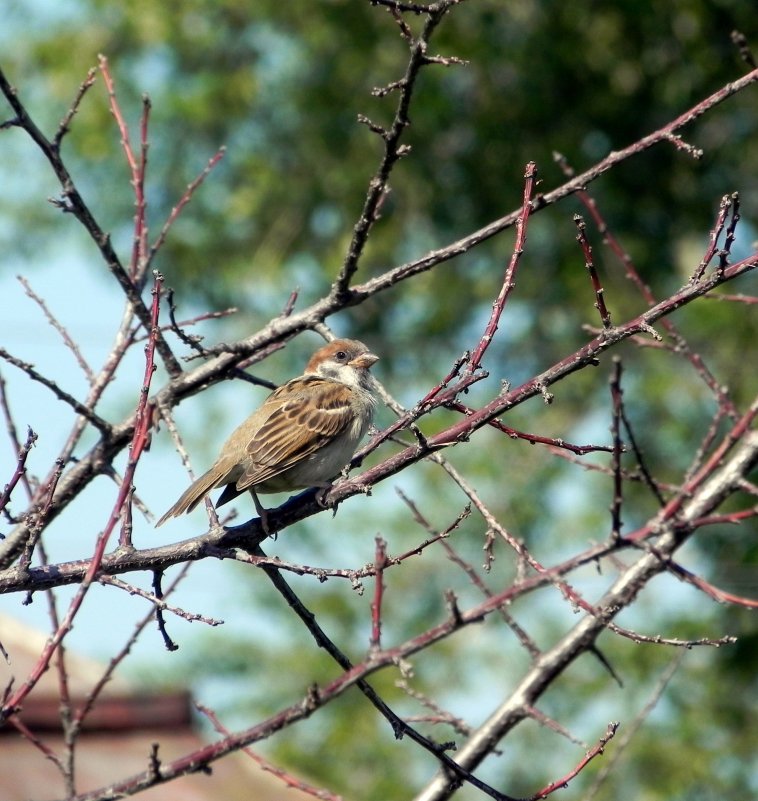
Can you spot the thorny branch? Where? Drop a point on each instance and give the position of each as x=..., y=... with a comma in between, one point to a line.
x=393, y=150
x=719, y=470
x=139, y=442
x=191, y=382
x=74, y=203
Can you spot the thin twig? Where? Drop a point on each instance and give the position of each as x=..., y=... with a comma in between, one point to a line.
x=74, y=203
x=60, y=328
x=595, y=751
x=589, y=263
x=509, y=279
x=618, y=448
x=20, y=471
x=393, y=150
x=380, y=561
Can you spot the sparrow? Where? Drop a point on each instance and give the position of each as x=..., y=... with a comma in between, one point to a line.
x=302, y=436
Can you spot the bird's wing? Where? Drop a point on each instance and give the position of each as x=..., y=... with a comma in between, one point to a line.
x=307, y=413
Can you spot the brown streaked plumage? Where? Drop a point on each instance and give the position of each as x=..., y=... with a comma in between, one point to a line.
x=302, y=436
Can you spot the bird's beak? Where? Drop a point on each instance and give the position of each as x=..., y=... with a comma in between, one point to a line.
x=364, y=361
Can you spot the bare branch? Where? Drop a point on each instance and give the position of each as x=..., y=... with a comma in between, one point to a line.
x=74, y=203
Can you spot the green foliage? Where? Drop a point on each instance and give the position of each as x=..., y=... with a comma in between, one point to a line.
x=282, y=88
x=281, y=85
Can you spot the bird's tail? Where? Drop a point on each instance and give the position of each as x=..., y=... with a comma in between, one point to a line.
x=193, y=495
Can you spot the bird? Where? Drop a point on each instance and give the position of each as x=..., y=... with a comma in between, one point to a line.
x=303, y=434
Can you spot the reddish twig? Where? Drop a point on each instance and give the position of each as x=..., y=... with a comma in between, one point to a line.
x=509, y=279
x=290, y=304
x=728, y=518
x=123, y=128
x=428, y=399
x=534, y=439
x=537, y=385
x=139, y=442
x=137, y=168
x=380, y=561
x=144, y=414
x=287, y=778
x=671, y=509
x=747, y=299
x=440, y=395
x=140, y=264
x=721, y=596
x=633, y=275
x=38, y=743
x=678, y=142
x=20, y=471
x=596, y=750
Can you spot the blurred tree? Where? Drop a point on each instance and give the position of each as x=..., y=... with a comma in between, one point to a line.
x=281, y=84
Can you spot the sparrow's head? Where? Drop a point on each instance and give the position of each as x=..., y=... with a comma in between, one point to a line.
x=344, y=360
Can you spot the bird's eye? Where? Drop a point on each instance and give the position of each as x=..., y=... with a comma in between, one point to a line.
x=340, y=355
